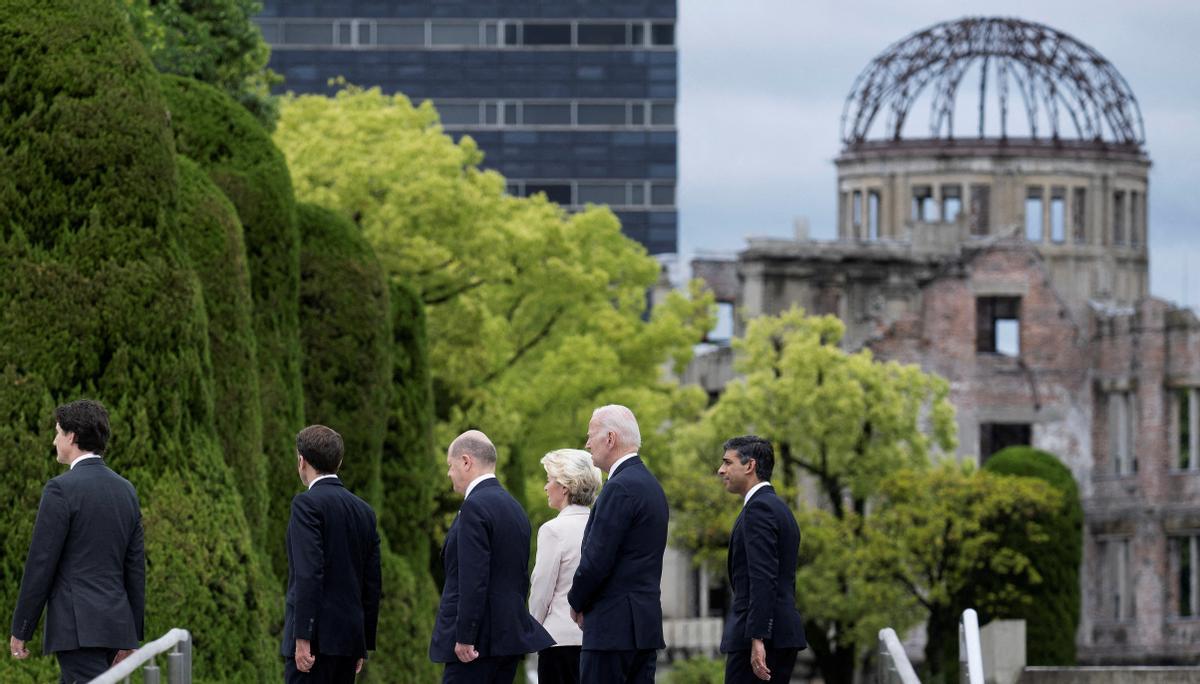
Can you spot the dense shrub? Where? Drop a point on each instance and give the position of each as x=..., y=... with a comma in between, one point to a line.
x=212, y=237
x=697, y=670
x=99, y=300
x=346, y=342
x=224, y=139
x=411, y=470
x=1052, y=612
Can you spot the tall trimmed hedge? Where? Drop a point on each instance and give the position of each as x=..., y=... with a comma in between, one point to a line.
x=345, y=340
x=225, y=140
x=1052, y=614
x=98, y=299
x=212, y=238
x=410, y=468
x=348, y=339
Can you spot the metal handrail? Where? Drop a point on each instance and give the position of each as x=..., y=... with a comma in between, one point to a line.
x=894, y=667
x=970, y=653
x=179, y=660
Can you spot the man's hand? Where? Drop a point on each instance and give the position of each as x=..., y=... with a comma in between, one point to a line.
x=304, y=655
x=122, y=655
x=465, y=652
x=358, y=666
x=17, y=648
x=758, y=660
x=577, y=617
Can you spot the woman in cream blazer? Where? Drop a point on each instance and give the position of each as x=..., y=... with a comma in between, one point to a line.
x=572, y=483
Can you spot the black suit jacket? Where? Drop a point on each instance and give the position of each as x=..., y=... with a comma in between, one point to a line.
x=486, y=557
x=86, y=560
x=334, y=575
x=617, y=586
x=763, y=552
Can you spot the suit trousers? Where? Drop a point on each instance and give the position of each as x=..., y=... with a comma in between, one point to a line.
x=495, y=670
x=328, y=669
x=82, y=665
x=610, y=667
x=559, y=665
x=780, y=661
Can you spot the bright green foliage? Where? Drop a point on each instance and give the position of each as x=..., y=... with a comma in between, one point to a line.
x=409, y=463
x=238, y=155
x=213, y=41
x=697, y=670
x=345, y=335
x=100, y=300
x=843, y=422
x=1051, y=611
x=534, y=316
x=212, y=237
x=937, y=531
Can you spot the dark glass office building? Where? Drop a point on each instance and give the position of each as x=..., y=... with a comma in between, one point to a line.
x=573, y=98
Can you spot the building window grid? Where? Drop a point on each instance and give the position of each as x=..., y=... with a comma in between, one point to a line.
x=508, y=113
x=492, y=33
x=1185, y=575
x=1116, y=600
x=639, y=194
x=1186, y=418
x=1121, y=433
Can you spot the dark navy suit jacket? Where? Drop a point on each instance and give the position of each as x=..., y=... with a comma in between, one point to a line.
x=617, y=584
x=87, y=560
x=486, y=557
x=334, y=575
x=763, y=552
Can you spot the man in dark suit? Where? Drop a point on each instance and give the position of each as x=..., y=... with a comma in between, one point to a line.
x=334, y=576
x=483, y=626
x=764, y=631
x=615, y=596
x=86, y=558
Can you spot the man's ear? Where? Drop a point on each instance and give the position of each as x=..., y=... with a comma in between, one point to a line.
x=750, y=465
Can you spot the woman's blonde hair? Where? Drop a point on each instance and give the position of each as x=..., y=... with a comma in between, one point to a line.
x=573, y=469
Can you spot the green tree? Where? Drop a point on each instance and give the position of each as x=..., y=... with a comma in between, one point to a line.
x=840, y=424
x=534, y=316
x=937, y=531
x=1050, y=607
x=238, y=155
x=214, y=41
x=100, y=299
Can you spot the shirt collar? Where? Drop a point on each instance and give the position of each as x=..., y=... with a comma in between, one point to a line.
x=318, y=479
x=754, y=489
x=573, y=509
x=619, y=461
x=82, y=458
x=476, y=481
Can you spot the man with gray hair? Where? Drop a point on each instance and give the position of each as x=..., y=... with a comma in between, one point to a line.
x=615, y=596
x=483, y=628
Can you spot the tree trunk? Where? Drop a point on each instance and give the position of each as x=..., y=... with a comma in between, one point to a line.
x=941, y=646
x=835, y=664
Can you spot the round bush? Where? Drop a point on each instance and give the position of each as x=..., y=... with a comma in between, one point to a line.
x=1052, y=614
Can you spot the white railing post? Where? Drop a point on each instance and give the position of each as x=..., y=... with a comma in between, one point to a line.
x=179, y=661
x=970, y=653
x=894, y=667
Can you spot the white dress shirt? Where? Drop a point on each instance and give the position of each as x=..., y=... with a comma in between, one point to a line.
x=619, y=461
x=318, y=479
x=82, y=458
x=753, y=489
x=476, y=481
x=558, y=547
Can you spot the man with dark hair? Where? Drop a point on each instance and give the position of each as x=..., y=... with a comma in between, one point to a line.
x=483, y=626
x=334, y=575
x=764, y=631
x=86, y=562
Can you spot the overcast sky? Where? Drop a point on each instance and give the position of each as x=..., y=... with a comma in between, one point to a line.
x=763, y=82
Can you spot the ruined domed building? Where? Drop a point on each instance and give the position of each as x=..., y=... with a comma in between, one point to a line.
x=992, y=228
